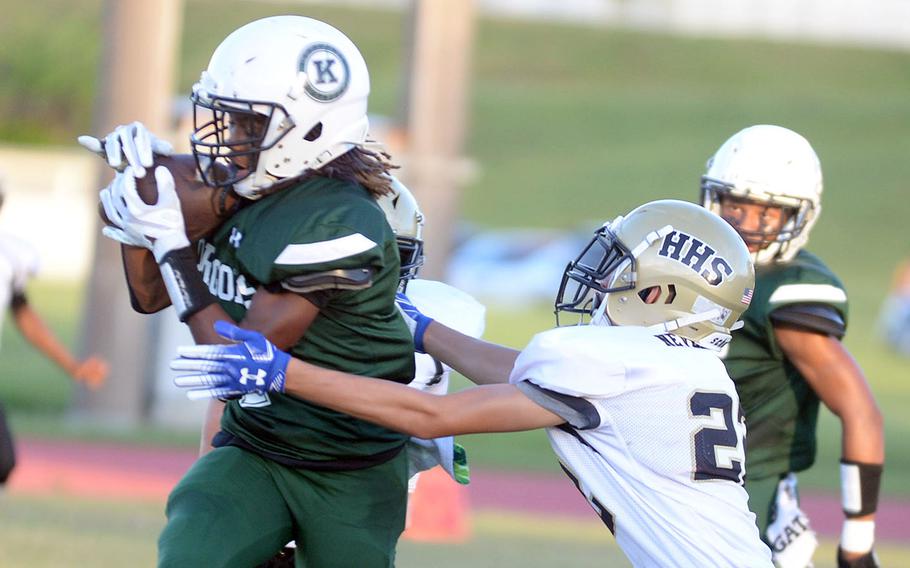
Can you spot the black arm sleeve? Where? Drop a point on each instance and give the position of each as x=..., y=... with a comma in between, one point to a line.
x=820, y=318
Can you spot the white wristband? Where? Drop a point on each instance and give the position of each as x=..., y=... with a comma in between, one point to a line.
x=857, y=536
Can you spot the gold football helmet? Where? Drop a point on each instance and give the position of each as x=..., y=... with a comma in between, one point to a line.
x=668, y=264
x=404, y=216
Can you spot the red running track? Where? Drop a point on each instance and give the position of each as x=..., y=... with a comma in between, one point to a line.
x=117, y=471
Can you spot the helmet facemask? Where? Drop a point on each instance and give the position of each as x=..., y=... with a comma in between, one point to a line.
x=768, y=244
x=230, y=135
x=588, y=279
x=410, y=251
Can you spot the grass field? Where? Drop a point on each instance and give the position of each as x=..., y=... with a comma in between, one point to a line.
x=569, y=126
x=75, y=533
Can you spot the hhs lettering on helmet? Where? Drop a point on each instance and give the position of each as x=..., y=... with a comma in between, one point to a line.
x=697, y=255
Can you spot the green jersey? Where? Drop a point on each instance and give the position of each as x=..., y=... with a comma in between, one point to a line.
x=781, y=409
x=331, y=237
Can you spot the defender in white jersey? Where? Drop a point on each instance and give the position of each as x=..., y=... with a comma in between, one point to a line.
x=451, y=306
x=19, y=264
x=638, y=407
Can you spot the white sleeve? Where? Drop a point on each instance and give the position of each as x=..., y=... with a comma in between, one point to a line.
x=22, y=258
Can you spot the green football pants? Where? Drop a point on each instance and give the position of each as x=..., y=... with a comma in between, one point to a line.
x=236, y=509
x=762, y=500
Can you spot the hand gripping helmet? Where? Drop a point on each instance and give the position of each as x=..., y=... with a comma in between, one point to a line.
x=404, y=216
x=773, y=166
x=669, y=265
x=281, y=95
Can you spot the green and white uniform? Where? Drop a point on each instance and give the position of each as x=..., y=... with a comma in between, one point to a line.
x=340, y=483
x=781, y=409
x=283, y=241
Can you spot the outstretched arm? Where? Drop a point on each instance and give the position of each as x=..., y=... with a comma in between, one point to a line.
x=488, y=408
x=840, y=383
x=480, y=361
x=257, y=365
x=91, y=371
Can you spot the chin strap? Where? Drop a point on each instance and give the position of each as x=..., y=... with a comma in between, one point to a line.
x=599, y=315
x=673, y=325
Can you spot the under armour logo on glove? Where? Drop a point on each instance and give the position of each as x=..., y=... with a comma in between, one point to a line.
x=225, y=371
x=246, y=376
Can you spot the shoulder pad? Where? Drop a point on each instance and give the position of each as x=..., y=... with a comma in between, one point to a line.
x=581, y=361
x=340, y=279
x=820, y=318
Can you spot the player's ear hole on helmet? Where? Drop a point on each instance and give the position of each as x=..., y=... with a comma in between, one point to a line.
x=650, y=295
x=654, y=294
x=314, y=133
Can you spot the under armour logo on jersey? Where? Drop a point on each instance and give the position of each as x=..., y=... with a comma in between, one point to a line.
x=235, y=238
x=697, y=255
x=246, y=377
x=327, y=71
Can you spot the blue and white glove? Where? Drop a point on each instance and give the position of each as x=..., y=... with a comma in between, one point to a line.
x=417, y=322
x=228, y=371
x=128, y=145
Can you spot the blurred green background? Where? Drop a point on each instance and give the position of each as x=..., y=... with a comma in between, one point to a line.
x=569, y=126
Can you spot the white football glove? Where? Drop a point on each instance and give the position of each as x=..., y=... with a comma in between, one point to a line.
x=115, y=210
x=128, y=145
x=161, y=224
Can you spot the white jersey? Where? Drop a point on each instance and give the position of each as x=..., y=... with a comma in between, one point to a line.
x=18, y=264
x=461, y=312
x=653, y=439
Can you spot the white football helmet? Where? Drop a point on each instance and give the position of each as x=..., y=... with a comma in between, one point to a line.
x=281, y=95
x=773, y=166
x=669, y=265
x=404, y=216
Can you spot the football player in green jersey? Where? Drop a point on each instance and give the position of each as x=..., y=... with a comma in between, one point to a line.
x=310, y=261
x=766, y=181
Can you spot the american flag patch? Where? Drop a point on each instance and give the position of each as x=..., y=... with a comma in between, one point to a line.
x=747, y=296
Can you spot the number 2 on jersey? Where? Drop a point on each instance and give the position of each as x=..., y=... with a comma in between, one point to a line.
x=719, y=450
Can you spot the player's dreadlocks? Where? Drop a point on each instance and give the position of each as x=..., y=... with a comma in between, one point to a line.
x=369, y=168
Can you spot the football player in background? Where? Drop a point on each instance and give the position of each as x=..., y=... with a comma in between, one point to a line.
x=638, y=407
x=766, y=181
x=308, y=260
x=18, y=264
x=446, y=304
